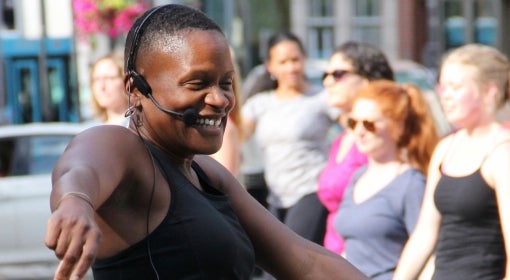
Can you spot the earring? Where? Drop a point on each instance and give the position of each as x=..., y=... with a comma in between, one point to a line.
x=130, y=111
x=139, y=120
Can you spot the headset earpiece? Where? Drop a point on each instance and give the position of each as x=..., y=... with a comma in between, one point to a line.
x=140, y=83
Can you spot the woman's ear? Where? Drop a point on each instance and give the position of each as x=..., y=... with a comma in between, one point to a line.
x=133, y=93
x=492, y=93
x=128, y=84
x=269, y=69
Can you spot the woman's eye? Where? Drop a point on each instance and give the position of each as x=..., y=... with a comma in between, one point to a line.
x=226, y=84
x=197, y=84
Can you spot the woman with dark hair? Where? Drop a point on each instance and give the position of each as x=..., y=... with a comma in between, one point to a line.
x=290, y=124
x=351, y=66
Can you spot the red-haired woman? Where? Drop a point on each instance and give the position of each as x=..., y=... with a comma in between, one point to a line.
x=392, y=126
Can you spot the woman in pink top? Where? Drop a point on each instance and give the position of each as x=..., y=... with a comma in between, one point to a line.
x=351, y=66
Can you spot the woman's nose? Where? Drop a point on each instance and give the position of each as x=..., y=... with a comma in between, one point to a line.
x=219, y=97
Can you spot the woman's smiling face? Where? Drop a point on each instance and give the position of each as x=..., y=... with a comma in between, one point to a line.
x=461, y=97
x=371, y=129
x=196, y=73
x=287, y=64
x=341, y=90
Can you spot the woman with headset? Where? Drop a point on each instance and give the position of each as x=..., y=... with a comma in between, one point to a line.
x=145, y=202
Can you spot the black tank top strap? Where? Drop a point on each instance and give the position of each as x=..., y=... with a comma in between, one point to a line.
x=498, y=143
x=204, y=180
x=171, y=170
x=447, y=151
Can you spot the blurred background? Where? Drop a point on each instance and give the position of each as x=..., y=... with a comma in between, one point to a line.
x=47, y=46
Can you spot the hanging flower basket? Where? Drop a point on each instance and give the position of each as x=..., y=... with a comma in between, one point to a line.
x=111, y=17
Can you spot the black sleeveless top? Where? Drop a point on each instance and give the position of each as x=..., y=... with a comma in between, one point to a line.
x=470, y=244
x=200, y=238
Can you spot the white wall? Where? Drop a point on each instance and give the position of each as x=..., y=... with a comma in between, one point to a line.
x=30, y=13
x=58, y=16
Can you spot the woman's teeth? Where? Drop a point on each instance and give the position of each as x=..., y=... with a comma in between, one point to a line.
x=209, y=122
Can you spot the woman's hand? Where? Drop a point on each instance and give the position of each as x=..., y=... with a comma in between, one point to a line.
x=74, y=236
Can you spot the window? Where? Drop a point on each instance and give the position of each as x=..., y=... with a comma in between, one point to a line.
x=366, y=21
x=320, y=28
x=320, y=8
x=45, y=151
x=471, y=21
x=455, y=22
x=485, y=22
x=7, y=10
x=31, y=155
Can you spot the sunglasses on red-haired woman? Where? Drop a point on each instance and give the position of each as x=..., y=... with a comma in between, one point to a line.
x=367, y=125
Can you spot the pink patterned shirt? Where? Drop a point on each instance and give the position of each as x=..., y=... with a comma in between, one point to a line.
x=333, y=181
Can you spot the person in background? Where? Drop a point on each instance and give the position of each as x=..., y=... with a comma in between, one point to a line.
x=109, y=100
x=290, y=123
x=351, y=66
x=148, y=202
x=391, y=124
x=252, y=158
x=465, y=218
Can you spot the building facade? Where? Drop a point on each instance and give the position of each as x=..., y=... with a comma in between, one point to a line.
x=44, y=69
x=37, y=77
x=419, y=30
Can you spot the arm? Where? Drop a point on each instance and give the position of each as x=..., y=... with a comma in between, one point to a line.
x=495, y=170
x=278, y=250
x=84, y=177
x=230, y=152
x=249, y=126
x=248, y=116
x=423, y=240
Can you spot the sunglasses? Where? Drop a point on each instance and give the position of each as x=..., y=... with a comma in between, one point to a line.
x=368, y=125
x=337, y=74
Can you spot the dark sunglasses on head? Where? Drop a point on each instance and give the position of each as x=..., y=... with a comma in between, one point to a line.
x=368, y=125
x=337, y=74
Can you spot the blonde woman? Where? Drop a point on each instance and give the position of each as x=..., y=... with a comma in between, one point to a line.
x=465, y=219
x=109, y=100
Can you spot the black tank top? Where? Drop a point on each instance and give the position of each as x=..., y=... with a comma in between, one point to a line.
x=200, y=238
x=470, y=244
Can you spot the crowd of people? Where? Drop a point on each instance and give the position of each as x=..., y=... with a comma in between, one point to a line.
x=388, y=198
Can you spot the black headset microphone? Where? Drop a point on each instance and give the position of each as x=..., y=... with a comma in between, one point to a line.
x=190, y=115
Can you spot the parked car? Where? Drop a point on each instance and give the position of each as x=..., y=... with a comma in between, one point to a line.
x=27, y=156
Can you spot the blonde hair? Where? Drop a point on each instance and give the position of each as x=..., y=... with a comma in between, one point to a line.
x=491, y=65
x=118, y=59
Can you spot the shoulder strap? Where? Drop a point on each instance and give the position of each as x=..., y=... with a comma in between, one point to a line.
x=498, y=143
x=204, y=179
x=447, y=151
